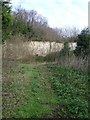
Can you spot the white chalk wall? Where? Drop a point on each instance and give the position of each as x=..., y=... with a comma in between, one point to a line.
x=35, y=48
x=43, y=48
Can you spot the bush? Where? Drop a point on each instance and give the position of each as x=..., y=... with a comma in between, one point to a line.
x=83, y=41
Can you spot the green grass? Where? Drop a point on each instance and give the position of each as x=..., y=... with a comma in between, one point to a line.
x=71, y=86
x=31, y=93
x=44, y=91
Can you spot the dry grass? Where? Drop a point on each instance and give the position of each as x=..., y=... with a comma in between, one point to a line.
x=15, y=48
x=68, y=60
x=78, y=63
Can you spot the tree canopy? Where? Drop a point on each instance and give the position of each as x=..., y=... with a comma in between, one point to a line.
x=83, y=43
x=6, y=18
x=31, y=25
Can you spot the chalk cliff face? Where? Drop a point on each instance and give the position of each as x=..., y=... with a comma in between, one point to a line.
x=43, y=48
x=34, y=48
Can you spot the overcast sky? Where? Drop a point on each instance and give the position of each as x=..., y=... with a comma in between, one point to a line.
x=60, y=13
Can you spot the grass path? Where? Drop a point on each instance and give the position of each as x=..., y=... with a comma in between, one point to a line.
x=44, y=90
x=28, y=93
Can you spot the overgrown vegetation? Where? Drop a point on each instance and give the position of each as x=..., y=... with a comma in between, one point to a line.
x=55, y=85
x=48, y=90
x=32, y=25
x=71, y=87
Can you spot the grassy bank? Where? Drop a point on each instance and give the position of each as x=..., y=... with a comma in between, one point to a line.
x=71, y=87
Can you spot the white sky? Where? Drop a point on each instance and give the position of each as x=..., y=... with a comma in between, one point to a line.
x=60, y=13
